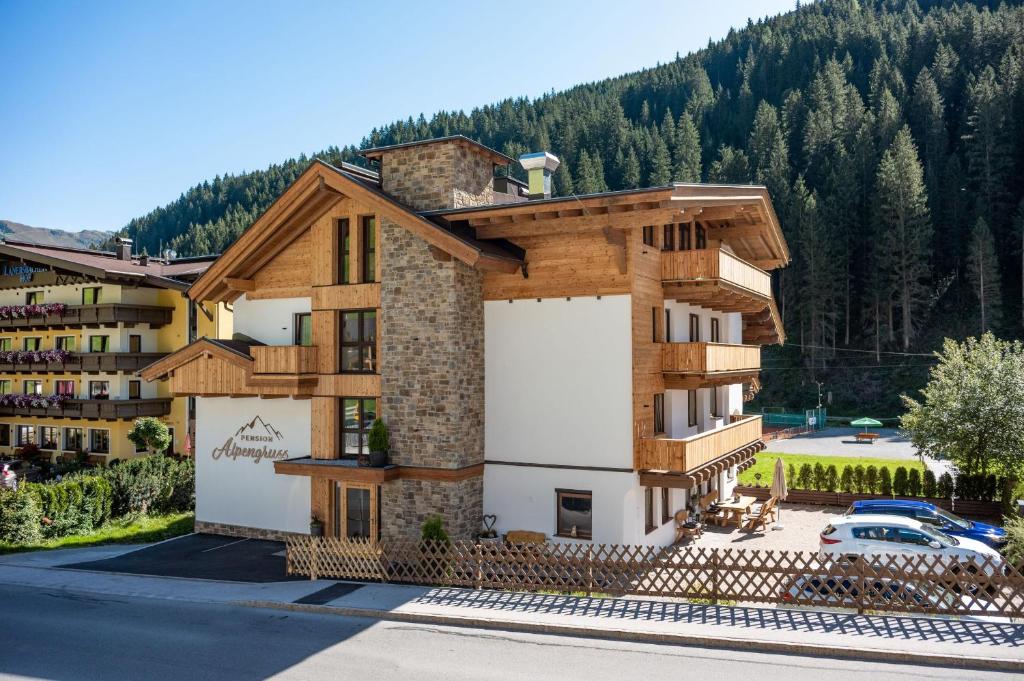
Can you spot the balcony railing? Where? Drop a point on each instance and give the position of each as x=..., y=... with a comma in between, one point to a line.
x=86, y=315
x=283, y=359
x=709, y=358
x=89, y=362
x=96, y=409
x=687, y=454
x=714, y=264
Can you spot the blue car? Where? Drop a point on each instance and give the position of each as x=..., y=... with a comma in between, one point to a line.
x=930, y=513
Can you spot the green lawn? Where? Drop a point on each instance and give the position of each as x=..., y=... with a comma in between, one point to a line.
x=766, y=464
x=122, y=531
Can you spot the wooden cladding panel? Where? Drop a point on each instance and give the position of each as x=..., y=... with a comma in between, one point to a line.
x=648, y=317
x=702, y=358
x=687, y=454
x=324, y=261
x=324, y=443
x=288, y=273
x=284, y=359
x=325, y=338
x=577, y=265
x=209, y=377
x=346, y=297
x=349, y=385
x=320, y=503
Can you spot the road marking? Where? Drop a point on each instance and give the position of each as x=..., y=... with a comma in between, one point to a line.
x=224, y=545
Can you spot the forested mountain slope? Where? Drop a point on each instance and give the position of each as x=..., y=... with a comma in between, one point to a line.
x=889, y=132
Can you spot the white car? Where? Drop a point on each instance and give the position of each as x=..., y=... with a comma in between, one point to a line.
x=886, y=535
x=8, y=478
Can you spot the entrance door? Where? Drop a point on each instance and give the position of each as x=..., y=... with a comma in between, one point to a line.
x=134, y=343
x=356, y=510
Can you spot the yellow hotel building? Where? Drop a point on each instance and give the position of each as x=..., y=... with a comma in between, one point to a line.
x=75, y=327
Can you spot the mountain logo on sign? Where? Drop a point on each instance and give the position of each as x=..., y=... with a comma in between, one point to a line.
x=258, y=430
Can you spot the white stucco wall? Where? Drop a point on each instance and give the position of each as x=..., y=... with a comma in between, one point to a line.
x=242, y=491
x=558, y=382
x=269, y=321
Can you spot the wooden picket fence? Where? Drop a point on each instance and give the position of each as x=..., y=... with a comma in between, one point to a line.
x=897, y=583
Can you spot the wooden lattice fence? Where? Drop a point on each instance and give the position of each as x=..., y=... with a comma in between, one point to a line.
x=898, y=583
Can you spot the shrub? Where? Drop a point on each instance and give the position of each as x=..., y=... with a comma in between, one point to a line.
x=871, y=479
x=150, y=433
x=858, y=478
x=433, y=530
x=1014, y=550
x=884, y=481
x=990, y=488
x=378, y=438
x=928, y=486
x=944, y=487
x=914, y=483
x=21, y=520
x=819, y=476
x=155, y=483
x=831, y=478
x=899, y=482
x=74, y=505
x=29, y=452
x=805, y=479
x=791, y=474
x=846, y=479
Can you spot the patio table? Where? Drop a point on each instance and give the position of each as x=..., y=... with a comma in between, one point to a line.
x=734, y=510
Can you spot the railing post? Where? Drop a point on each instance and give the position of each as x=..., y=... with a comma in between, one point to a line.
x=714, y=578
x=479, y=574
x=590, y=570
x=313, y=558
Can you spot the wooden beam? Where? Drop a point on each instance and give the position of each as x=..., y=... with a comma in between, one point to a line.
x=574, y=224
x=617, y=238
x=236, y=284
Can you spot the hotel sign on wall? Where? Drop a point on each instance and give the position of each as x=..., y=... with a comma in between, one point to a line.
x=23, y=272
x=255, y=440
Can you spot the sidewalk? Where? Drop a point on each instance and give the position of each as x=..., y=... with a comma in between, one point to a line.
x=883, y=638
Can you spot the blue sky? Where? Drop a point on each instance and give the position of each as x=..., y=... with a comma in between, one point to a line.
x=110, y=109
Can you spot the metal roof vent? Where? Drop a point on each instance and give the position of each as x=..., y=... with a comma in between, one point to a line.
x=124, y=248
x=539, y=166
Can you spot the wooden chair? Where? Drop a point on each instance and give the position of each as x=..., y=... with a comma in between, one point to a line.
x=761, y=518
x=704, y=503
x=683, y=531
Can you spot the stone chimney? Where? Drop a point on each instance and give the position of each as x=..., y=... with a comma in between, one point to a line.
x=124, y=248
x=539, y=167
x=449, y=172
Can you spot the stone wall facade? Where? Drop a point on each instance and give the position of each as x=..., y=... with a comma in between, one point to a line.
x=406, y=504
x=435, y=176
x=240, y=531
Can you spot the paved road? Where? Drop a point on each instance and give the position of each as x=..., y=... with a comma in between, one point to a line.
x=65, y=635
x=841, y=442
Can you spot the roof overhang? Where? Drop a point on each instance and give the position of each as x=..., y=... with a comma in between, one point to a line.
x=204, y=347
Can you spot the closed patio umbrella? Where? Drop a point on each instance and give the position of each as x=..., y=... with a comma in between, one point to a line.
x=867, y=423
x=779, y=490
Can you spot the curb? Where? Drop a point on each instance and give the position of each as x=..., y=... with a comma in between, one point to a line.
x=720, y=642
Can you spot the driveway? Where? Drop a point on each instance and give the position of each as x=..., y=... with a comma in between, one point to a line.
x=801, y=526
x=841, y=442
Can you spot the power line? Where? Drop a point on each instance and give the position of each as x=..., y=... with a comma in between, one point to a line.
x=870, y=352
x=861, y=366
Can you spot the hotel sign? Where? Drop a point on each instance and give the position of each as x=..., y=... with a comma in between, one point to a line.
x=23, y=272
x=254, y=440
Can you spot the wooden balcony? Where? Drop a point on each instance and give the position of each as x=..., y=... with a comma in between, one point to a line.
x=104, y=314
x=689, y=366
x=96, y=409
x=687, y=454
x=89, y=362
x=284, y=365
x=714, y=278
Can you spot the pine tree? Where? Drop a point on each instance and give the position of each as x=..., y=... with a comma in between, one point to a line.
x=927, y=120
x=769, y=154
x=631, y=170
x=660, y=173
x=687, y=166
x=988, y=158
x=585, y=181
x=903, y=247
x=983, y=276
x=731, y=167
x=816, y=271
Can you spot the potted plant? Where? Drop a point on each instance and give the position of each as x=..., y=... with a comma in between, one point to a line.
x=316, y=527
x=378, y=443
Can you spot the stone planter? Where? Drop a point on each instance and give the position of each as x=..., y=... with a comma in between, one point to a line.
x=378, y=459
x=316, y=529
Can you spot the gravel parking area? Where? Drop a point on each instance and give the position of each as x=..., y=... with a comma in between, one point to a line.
x=801, y=527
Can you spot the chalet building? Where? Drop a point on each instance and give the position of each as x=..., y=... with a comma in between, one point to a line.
x=574, y=366
x=75, y=327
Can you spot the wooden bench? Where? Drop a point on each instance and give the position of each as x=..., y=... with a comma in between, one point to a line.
x=867, y=437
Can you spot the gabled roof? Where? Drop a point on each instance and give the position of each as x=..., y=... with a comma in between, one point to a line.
x=104, y=265
x=234, y=352
x=312, y=194
x=496, y=157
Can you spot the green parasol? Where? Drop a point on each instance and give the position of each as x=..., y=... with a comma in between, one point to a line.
x=866, y=422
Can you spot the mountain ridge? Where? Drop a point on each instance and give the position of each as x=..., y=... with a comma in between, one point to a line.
x=46, y=236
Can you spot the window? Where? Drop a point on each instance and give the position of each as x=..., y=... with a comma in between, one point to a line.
x=344, y=248
x=304, y=329
x=73, y=439
x=654, y=325
x=702, y=237
x=5, y=435
x=6, y=385
x=714, y=330
x=691, y=404
x=716, y=409
x=359, y=341
x=659, y=413
x=913, y=537
x=34, y=298
x=648, y=235
x=694, y=328
x=358, y=414
x=33, y=387
x=649, y=525
x=48, y=437
x=32, y=343
x=66, y=343
x=668, y=326
x=684, y=237
x=99, y=441
x=91, y=295
x=575, y=516
x=99, y=390
x=368, y=241
x=666, y=514
x=134, y=390
x=99, y=343
x=668, y=241
x=26, y=435
x=134, y=343
x=6, y=343
x=356, y=511
x=64, y=387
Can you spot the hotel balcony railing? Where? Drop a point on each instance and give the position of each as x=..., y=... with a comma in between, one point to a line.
x=283, y=359
x=709, y=265
x=96, y=409
x=87, y=362
x=709, y=358
x=93, y=315
x=687, y=454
